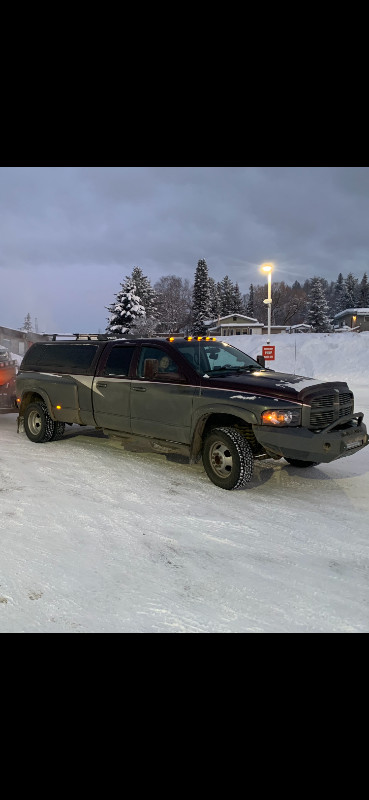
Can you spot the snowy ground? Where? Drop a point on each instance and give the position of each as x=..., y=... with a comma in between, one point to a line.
x=98, y=539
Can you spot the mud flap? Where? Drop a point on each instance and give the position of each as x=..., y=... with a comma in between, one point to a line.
x=20, y=424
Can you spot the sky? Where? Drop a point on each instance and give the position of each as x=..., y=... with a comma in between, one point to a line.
x=97, y=538
x=68, y=233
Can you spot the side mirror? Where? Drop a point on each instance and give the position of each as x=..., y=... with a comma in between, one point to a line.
x=261, y=360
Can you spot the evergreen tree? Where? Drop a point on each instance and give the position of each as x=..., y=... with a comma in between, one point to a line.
x=126, y=311
x=201, y=298
x=27, y=324
x=215, y=301
x=226, y=292
x=339, y=294
x=250, y=303
x=363, y=299
x=144, y=326
x=350, y=292
x=237, y=300
x=318, y=307
x=144, y=291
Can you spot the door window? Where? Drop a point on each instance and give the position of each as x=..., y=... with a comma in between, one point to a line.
x=155, y=364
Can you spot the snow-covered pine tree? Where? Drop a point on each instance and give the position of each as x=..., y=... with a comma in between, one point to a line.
x=27, y=324
x=147, y=295
x=126, y=310
x=200, y=298
x=226, y=291
x=317, y=306
x=363, y=299
x=250, y=302
x=350, y=292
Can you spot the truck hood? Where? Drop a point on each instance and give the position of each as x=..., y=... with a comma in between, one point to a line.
x=273, y=384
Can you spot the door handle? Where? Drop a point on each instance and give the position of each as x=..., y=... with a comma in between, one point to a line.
x=101, y=385
x=138, y=388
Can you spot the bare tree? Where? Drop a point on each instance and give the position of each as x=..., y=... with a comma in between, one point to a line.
x=174, y=302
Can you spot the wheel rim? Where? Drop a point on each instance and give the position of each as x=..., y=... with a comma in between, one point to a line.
x=220, y=458
x=34, y=423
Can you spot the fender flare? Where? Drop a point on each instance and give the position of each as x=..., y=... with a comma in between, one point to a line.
x=42, y=394
x=201, y=415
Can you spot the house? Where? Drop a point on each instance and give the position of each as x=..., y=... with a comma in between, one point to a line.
x=239, y=325
x=353, y=318
x=17, y=341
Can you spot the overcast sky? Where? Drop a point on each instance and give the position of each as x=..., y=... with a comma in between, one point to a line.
x=70, y=235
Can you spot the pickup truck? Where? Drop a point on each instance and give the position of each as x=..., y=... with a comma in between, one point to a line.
x=196, y=396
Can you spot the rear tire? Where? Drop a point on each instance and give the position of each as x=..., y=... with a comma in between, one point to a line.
x=58, y=431
x=301, y=464
x=38, y=424
x=227, y=458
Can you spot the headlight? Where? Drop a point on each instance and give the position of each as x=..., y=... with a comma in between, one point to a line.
x=281, y=417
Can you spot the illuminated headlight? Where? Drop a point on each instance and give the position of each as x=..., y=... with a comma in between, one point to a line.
x=281, y=417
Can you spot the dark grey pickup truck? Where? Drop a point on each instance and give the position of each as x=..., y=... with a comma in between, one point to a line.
x=196, y=396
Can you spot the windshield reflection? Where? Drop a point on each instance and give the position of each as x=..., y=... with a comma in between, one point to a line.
x=216, y=358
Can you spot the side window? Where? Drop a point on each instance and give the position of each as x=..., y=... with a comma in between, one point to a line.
x=118, y=362
x=61, y=357
x=155, y=364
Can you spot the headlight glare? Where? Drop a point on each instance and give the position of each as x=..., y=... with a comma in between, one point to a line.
x=282, y=417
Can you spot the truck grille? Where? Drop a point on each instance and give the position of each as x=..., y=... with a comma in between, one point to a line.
x=328, y=408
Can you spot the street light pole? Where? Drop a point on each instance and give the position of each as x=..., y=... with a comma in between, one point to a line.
x=268, y=268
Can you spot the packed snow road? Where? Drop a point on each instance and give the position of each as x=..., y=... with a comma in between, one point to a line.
x=95, y=538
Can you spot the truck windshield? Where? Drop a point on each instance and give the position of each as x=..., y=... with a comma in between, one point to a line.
x=216, y=357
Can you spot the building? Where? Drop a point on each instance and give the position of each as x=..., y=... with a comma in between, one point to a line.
x=353, y=318
x=17, y=342
x=239, y=325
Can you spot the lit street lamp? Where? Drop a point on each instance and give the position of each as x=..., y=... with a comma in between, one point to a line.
x=268, y=268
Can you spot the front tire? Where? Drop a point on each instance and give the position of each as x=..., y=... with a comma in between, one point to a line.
x=38, y=424
x=227, y=458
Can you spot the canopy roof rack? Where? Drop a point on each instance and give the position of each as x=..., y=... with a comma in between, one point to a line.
x=87, y=336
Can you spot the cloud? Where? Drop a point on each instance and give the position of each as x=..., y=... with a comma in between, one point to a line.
x=70, y=235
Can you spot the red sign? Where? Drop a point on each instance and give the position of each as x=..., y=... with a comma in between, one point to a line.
x=269, y=352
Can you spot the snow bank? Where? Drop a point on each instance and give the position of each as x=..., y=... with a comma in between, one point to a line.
x=327, y=356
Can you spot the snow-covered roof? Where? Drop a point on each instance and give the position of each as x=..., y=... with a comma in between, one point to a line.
x=219, y=320
x=299, y=325
x=354, y=311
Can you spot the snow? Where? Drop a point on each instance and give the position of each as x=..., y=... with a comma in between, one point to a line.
x=96, y=538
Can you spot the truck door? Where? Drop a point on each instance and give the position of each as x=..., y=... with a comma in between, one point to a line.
x=111, y=389
x=161, y=397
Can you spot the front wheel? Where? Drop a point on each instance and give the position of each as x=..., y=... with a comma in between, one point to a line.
x=301, y=464
x=38, y=424
x=228, y=459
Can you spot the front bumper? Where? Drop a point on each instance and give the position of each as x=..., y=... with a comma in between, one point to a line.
x=323, y=446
